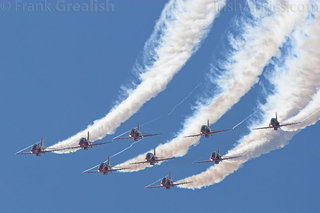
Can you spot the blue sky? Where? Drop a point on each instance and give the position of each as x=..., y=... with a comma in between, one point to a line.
x=62, y=70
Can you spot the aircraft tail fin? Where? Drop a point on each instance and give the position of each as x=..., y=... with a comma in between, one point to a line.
x=42, y=142
x=88, y=136
x=218, y=151
x=169, y=175
x=276, y=116
x=138, y=127
x=154, y=151
x=208, y=123
x=108, y=162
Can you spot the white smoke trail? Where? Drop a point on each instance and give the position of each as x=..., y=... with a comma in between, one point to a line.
x=261, y=41
x=311, y=112
x=182, y=26
x=296, y=97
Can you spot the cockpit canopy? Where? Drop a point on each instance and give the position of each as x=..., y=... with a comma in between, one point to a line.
x=132, y=132
x=273, y=120
x=35, y=146
x=164, y=180
x=82, y=140
x=204, y=128
x=149, y=155
x=214, y=155
x=101, y=166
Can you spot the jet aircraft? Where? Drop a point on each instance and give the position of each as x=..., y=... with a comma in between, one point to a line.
x=274, y=124
x=38, y=149
x=104, y=168
x=216, y=158
x=152, y=158
x=136, y=135
x=167, y=183
x=206, y=131
x=85, y=143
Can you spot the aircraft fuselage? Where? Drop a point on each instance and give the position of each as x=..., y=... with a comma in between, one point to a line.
x=216, y=157
x=205, y=130
x=167, y=183
x=84, y=143
x=37, y=149
x=104, y=168
x=135, y=134
x=274, y=123
x=151, y=158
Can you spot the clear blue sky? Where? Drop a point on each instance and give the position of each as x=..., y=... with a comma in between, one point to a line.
x=61, y=70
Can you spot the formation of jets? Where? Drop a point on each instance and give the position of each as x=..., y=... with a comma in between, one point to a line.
x=150, y=158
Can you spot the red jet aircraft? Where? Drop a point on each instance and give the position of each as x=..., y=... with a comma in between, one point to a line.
x=136, y=135
x=167, y=183
x=104, y=168
x=215, y=157
x=275, y=124
x=38, y=149
x=206, y=131
x=152, y=158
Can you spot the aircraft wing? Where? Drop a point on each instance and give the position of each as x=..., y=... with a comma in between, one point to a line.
x=153, y=187
x=121, y=138
x=117, y=169
x=148, y=135
x=231, y=157
x=192, y=135
x=213, y=132
x=266, y=127
x=24, y=153
x=66, y=148
x=141, y=162
x=158, y=160
x=206, y=161
x=72, y=147
x=176, y=184
x=97, y=144
x=288, y=124
x=91, y=172
x=162, y=159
